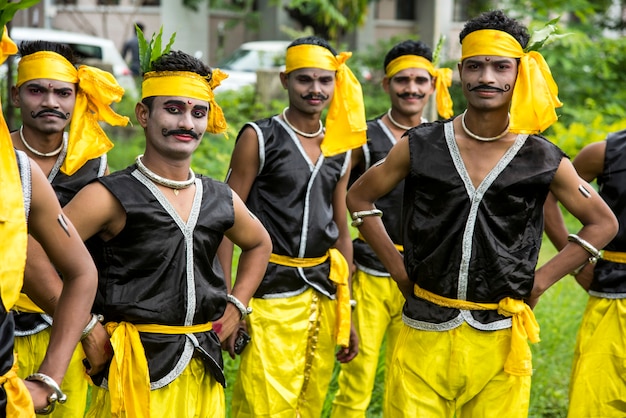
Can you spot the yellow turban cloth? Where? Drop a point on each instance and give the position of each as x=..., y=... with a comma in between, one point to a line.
x=12, y=216
x=345, y=121
x=442, y=76
x=535, y=95
x=96, y=91
x=188, y=84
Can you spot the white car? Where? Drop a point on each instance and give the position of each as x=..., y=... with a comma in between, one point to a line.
x=242, y=65
x=95, y=51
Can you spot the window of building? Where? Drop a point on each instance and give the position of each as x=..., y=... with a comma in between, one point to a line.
x=108, y=2
x=64, y=2
x=405, y=10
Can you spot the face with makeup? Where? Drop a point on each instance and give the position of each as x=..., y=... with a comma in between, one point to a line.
x=173, y=125
x=488, y=81
x=46, y=105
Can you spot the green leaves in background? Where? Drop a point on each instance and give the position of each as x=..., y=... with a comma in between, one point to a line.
x=8, y=9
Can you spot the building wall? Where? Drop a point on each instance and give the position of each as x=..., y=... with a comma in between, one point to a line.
x=227, y=30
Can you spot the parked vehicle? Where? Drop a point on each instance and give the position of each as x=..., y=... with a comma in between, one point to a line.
x=92, y=50
x=244, y=62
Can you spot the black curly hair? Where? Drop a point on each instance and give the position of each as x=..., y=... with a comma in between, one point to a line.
x=30, y=47
x=181, y=61
x=313, y=40
x=408, y=47
x=496, y=19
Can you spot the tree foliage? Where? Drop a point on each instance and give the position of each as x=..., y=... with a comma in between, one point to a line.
x=329, y=19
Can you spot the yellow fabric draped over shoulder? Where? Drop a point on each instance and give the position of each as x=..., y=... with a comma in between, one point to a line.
x=12, y=215
x=345, y=122
x=535, y=95
x=97, y=90
x=192, y=85
x=442, y=76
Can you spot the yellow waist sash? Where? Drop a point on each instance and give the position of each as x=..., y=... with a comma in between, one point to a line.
x=25, y=304
x=524, y=326
x=339, y=272
x=19, y=402
x=129, y=380
x=614, y=256
x=398, y=246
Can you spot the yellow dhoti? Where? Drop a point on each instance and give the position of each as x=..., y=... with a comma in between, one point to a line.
x=598, y=385
x=440, y=373
x=195, y=393
x=287, y=367
x=378, y=314
x=31, y=351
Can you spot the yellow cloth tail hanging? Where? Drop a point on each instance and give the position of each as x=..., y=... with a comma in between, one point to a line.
x=19, y=402
x=97, y=89
x=339, y=273
x=129, y=379
x=523, y=323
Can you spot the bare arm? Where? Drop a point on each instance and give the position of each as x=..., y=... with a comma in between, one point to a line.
x=599, y=226
x=256, y=246
x=379, y=180
x=66, y=250
x=244, y=165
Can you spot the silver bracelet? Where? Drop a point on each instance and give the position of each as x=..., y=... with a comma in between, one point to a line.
x=54, y=397
x=577, y=270
x=95, y=318
x=357, y=217
x=243, y=309
x=595, y=253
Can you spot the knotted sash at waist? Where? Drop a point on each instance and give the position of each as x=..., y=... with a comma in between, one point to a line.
x=524, y=325
x=129, y=379
x=19, y=402
x=339, y=272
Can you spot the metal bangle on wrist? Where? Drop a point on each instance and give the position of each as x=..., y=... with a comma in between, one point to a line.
x=243, y=309
x=357, y=217
x=593, y=251
x=95, y=318
x=56, y=396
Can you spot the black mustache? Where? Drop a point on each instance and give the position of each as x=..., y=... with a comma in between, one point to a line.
x=61, y=115
x=192, y=134
x=405, y=95
x=315, y=97
x=506, y=88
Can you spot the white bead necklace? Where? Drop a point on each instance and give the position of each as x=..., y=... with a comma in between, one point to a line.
x=39, y=153
x=392, y=120
x=482, y=138
x=170, y=184
x=298, y=131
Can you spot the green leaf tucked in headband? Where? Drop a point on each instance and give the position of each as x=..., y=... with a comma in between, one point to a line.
x=437, y=51
x=8, y=9
x=151, y=51
x=544, y=35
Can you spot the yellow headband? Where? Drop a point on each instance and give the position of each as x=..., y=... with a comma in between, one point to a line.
x=188, y=84
x=96, y=91
x=442, y=76
x=345, y=121
x=535, y=95
x=12, y=216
